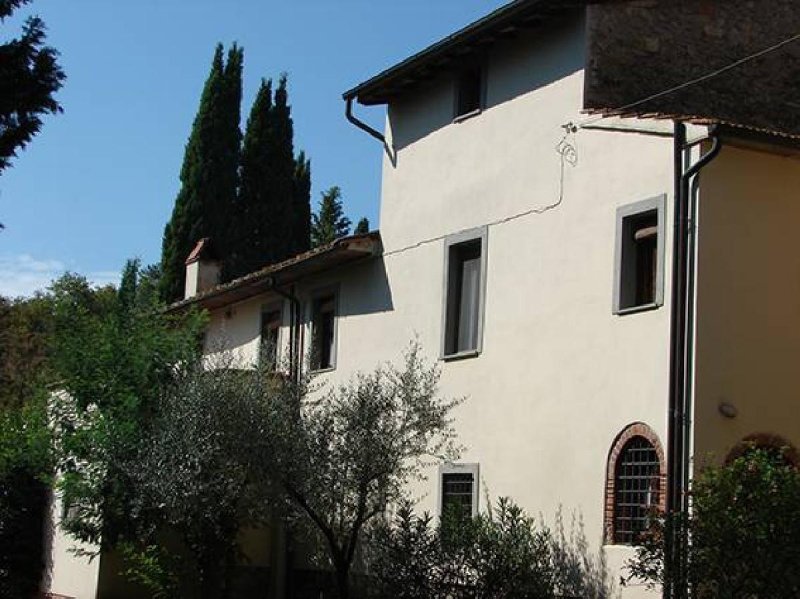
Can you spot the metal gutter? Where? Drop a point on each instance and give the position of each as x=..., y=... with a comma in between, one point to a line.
x=682, y=352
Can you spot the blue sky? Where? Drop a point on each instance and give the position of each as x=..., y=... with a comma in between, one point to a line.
x=97, y=185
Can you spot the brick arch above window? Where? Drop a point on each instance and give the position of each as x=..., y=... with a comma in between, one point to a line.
x=765, y=441
x=632, y=432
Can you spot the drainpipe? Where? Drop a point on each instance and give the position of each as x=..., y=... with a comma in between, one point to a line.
x=682, y=350
x=370, y=131
x=284, y=580
x=361, y=124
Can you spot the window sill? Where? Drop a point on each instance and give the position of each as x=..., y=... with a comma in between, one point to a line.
x=322, y=370
x=467, y=115
x=462, y=355
x=636, y=309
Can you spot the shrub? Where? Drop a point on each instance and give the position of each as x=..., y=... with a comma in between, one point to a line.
x=499, y=554
x=25, y=463
x=743, y=532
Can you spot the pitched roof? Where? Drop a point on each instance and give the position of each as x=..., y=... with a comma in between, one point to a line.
x=504, y=22
x=345, y=250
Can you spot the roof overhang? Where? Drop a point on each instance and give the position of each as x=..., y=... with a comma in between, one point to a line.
x=341, y=252
x=504, y=23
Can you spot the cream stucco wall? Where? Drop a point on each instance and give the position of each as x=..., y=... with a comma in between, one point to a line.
x=748, y=302
x=68, y=572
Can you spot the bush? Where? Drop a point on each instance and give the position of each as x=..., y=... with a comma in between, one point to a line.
x=500, y=554
x=25, y=463
x=743, y=532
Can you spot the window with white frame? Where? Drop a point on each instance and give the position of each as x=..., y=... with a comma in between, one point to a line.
x=323, y=331
x=639, y=257
x=464, y=293
x=271, y=319
x=458, y=489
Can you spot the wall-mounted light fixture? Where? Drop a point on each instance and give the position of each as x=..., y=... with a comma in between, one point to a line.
x=728, y=410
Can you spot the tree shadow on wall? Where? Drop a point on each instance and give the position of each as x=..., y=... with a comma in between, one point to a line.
x=580, y=573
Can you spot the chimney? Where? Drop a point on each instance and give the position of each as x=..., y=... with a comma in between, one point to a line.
x=202, y=269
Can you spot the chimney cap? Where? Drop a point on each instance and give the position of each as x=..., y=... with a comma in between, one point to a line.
x=203, y=250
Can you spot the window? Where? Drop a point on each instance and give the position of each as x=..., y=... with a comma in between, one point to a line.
x=270, y=331
x=465, y=277
x=459, y=489
x=636, y=489
x=469, y=91
x=636, y=485
x=323, y=332
x=639, y=269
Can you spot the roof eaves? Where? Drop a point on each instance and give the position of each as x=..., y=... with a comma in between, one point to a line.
x=694, y=119
x=492, y=21
x=277, y=268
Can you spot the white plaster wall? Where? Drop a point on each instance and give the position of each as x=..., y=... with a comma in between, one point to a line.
x=559, y=376
x=69, y=574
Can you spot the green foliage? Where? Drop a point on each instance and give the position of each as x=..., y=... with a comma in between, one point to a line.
x=150, y=566
x=209, y=175
x=26, y=326
x=114, y=352
x=330, y=222
x=230, y=447
x=194, y=471
x=342, y=456
x=25, y=467
x=273, y=212
x=498, y=554
x=362, y=227
x=744, y=531
x=301, y=210
x=29, y=77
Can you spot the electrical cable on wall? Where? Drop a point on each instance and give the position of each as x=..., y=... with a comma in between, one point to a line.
x=568, y=154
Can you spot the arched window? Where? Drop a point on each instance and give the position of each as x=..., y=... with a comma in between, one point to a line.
x=635, y=484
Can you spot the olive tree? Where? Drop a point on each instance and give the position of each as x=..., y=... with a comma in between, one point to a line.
x=341, y=455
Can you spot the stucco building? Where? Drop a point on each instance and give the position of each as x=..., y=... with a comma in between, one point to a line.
x=612, y=320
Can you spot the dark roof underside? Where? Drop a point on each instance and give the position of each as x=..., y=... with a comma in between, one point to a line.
x=504, y=23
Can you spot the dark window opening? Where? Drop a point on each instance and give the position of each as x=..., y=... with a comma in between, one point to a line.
x=457, y=493
x=463, y=297
x=270, y=328
x=469, y=91
x=323, y=332
x=636, y=490
x=639, y=268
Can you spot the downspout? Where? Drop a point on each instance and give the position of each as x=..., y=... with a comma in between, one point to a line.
x=285, y=580
x=369, y=130
x=361, y=124
x=682, y=351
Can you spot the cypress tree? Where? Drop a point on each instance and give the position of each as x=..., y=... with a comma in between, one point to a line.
x=329, y=223
x=301, y=210
x=283, y=166
x=273, y=209
x=362, y=227
x=209, y=175
x=254, y=220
